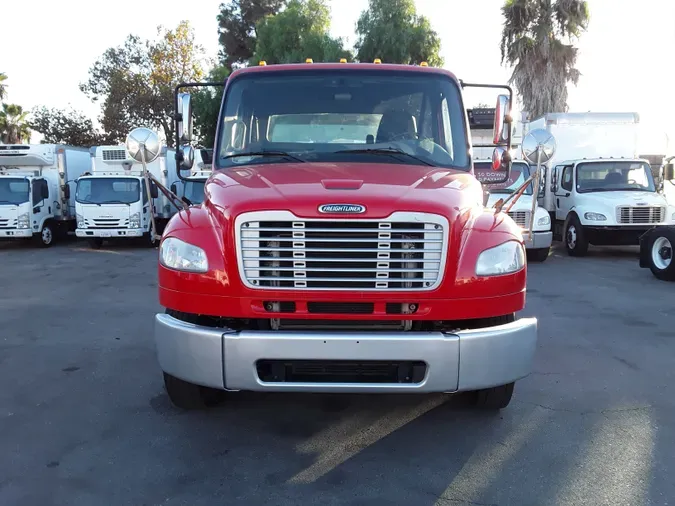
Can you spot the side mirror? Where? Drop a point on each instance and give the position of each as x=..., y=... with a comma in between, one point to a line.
x=66, y=191
x=542, y=182
x=188, y=158
x=44, y=189
x=668, y=172
x=502, y=123
x=174, y=188
x=184, y=122
x=154, y=191
x=500, y=168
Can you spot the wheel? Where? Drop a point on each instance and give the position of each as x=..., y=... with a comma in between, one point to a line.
x=45, y=238
x=661, y=255
x=95, y=243
x=537, y=255
x=189, y=396
x=494, y=398
x=575, y=239
x=149, y=241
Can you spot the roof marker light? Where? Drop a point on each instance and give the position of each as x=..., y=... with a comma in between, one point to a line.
x=309, y=60
x=377, y=60
x=424, y=64
x=262, y=63
x=343, y=60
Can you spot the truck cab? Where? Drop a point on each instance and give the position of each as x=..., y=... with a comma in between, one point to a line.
x=112, y=200
x=35, y=198
x=539, y=245
x=605, y=201
x=343, y=244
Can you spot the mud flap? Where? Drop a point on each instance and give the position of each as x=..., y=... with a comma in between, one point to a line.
x=644, y=248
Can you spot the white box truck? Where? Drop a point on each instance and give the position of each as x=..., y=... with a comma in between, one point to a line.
x=112, y=201
x=35, y=197
x=538, y=246
x=597, y=190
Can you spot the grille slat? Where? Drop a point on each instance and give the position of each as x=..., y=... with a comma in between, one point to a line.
x=277, y=250
x=633, y=215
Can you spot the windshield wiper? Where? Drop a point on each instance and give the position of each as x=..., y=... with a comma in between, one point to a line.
x=8, y=202
x=385, y=151
x=117, y=202
x=265, y=153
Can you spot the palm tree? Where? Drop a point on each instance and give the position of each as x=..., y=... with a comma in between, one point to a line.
x=13, y=124
x=537, y=43
x=3, y=86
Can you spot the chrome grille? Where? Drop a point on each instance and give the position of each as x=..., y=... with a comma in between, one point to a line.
x=644, y=215
x=522, y=218
x=6, y=223
x=277, y=250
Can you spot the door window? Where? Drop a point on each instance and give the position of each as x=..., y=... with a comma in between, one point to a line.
x=567, y=178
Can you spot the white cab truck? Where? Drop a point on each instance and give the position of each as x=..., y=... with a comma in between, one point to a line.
x=539, y=245
x=191, y=189
x=35, y=198
x=112, y=201
x=597, y=191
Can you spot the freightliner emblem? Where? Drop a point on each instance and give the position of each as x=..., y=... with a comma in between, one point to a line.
x=342, y=208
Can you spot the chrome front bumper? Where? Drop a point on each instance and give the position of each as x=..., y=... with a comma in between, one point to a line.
x=461, y=361
x=539, y=240
x=109, y=233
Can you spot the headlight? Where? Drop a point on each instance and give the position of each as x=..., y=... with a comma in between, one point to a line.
x=23, y=220
x=135, y=220
x=544, y=220
x=595, y=216
x=181, y=256
x=503, y=259
x=80, y=221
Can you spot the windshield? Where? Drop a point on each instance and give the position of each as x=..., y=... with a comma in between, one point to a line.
x=520, y=171
x=14, y=190
x=614, y=176
x=194, y=191
x=323, y=115
x=108, y=190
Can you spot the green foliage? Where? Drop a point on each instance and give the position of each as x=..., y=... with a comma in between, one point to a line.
x=537, y=43
x=66, y=127
x=135, y=81
x=236, y=28
x=206, y=107
x=298, y=32
x=392, y=31
x=3, y=86
x=14, y=127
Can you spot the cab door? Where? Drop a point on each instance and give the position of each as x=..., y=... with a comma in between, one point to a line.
x=564, y=199
x=42, y=206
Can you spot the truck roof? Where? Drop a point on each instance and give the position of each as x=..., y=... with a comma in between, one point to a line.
x=584, y=118
x=341, y=66
x=607, y=159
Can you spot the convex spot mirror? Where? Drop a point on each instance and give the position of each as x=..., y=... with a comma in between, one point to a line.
x=143, y=145
x=499, y=169
x=538, y=146
x=188, y=157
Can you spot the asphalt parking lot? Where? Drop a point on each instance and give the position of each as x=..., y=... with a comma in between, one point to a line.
x=84, y=419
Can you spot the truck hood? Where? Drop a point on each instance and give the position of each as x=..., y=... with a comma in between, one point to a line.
x=105, y=212
x=626, y=198
x=524, y=203
x=382, y=188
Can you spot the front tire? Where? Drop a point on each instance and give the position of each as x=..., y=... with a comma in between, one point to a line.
x=189, y=396
x=576, y=243
x=538, y=255
x=660, y=257
x=45, y=238
x=494, y=398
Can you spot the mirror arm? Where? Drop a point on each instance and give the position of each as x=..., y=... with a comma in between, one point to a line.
x=515, y=196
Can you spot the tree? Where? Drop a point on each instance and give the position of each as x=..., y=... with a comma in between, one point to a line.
x=135, y=81
x=537, y=43
x=14, y=128
x=3, y=86
x=392, y=31
x=66, y=127
x=237, y=28
x=298, y=32
x=206, y=107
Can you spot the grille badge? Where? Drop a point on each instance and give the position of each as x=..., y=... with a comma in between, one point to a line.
x=342, y=208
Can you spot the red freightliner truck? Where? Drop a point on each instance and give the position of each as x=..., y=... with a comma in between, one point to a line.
x=343, y=244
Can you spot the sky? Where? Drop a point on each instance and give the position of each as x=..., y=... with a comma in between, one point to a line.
x=625, y=57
